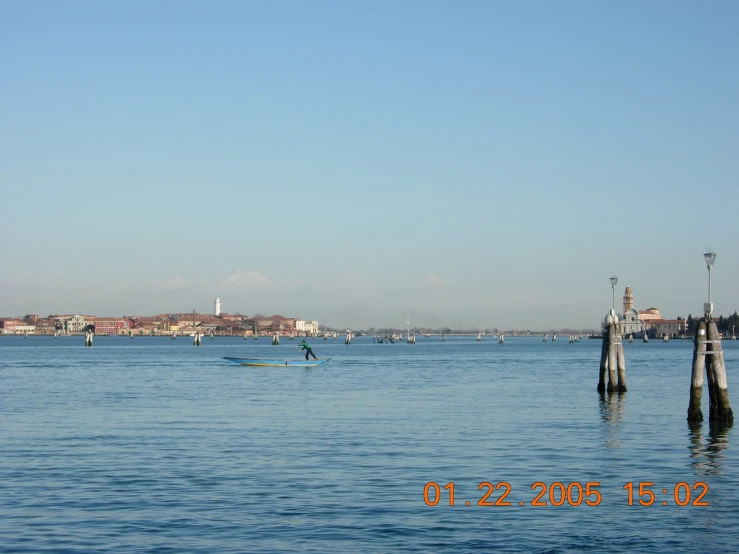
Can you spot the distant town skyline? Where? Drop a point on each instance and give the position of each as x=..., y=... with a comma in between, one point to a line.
x=484, y=164
x=623, y=302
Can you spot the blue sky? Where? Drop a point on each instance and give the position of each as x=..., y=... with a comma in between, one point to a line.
x=462, y=163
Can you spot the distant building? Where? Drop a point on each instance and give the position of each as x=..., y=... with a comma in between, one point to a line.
x=45, y=327
x=649, y=314
x=671, y=328
x=110, y=326
x=217, y=307
x=630, y=321
x=233, y=317
x=307, y=327
x=7, y=325
x=72, y=323
x=25, y=329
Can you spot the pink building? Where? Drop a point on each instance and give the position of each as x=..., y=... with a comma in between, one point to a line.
x=7, y=326
x=104, y=326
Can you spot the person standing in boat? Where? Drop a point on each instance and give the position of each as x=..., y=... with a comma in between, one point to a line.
x=308, y=351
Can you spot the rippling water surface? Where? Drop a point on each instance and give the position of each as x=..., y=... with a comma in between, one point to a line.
x=154, y=445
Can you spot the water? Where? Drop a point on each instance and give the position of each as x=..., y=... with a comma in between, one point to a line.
x=154, y=445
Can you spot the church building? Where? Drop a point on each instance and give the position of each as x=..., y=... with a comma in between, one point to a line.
x=631, y=321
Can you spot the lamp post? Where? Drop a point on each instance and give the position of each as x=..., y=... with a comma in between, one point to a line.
x=710, y=258
x=614, y=280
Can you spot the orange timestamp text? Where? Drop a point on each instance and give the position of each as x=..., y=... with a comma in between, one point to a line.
x=572, y=494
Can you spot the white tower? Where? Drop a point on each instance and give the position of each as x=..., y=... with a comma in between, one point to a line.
x=217, y=307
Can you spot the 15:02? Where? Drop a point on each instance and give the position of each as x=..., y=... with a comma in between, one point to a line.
x=681, y=494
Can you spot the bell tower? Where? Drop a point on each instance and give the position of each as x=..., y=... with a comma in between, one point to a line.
x=628, y=300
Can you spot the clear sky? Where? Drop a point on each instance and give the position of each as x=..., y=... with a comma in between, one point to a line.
x=463, y=163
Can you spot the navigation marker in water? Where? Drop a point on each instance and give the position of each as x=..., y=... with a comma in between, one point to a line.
x=708, y=343
x=612, y=352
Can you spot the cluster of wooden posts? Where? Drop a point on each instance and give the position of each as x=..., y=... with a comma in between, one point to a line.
x=612, y=357
x=707, y=353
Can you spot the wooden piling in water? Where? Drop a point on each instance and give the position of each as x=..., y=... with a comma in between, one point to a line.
x=88, y=338
x=696, y=384
x=707, y=351
x=720, y=406
x=603, y=363
x=276, y=339
x=612, y=358
x=621, y=387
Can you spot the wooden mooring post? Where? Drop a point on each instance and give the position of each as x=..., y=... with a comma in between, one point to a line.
x=612, y=356
x=707, y=352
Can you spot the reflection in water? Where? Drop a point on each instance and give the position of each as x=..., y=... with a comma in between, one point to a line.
x=612, y=407
x=708, y=458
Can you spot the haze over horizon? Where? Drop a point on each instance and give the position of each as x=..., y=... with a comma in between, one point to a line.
x=481, y=164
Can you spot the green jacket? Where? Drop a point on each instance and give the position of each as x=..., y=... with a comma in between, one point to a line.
x=305, y=345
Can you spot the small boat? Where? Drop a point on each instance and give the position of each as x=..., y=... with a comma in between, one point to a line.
x=262, y=362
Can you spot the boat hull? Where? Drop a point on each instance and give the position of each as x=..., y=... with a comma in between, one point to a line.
x=259, y=362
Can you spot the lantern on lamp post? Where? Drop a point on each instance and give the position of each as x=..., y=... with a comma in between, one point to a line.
x=614, y=280
x=710, y=257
